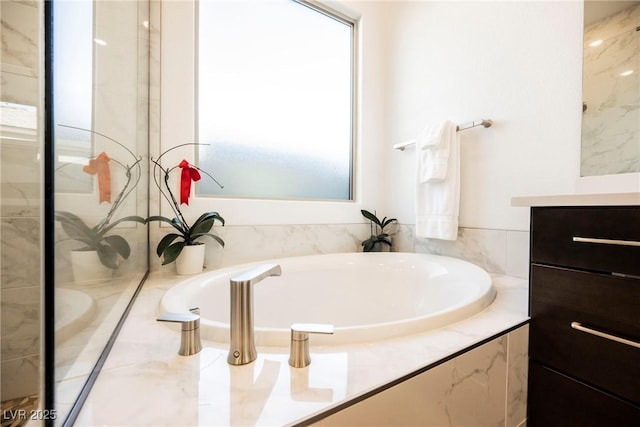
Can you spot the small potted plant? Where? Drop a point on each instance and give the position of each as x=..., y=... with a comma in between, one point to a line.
x=188, y=252
x=380, y=241
x=107, y=247
x=101, y=251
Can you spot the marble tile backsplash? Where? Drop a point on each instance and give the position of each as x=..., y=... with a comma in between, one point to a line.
x=252, y=243
x=497, y=251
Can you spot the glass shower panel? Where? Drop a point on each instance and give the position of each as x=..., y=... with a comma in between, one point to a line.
x=101, y=69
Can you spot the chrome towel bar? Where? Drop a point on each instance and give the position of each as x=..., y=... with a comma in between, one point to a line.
x=464, y=126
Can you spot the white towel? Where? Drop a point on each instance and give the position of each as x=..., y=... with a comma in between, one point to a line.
x=432, y=148
x=438, y=196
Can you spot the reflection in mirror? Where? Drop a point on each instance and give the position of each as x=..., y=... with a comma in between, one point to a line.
x=611, y=88
x=100, y=60
x=73, y=38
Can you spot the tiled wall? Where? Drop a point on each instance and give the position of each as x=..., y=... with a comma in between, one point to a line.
x=20, y=200
x=497, y=251
x=486, y=386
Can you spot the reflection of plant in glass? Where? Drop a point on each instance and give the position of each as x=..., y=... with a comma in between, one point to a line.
x=187, y=233
x=108, y=247
x=378, y=236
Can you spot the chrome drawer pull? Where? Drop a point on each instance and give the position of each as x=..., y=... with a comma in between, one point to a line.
x=606, y=241
x=580, y=327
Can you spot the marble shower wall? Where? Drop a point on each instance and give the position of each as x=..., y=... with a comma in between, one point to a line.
x=20, y=198
x=486, y=386
x=611, y=123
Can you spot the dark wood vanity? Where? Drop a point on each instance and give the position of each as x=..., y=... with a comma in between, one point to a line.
x=584, y=343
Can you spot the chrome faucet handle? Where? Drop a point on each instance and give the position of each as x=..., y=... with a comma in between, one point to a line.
x=190, y=334
x=299, y=355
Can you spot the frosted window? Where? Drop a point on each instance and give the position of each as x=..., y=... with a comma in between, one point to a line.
x=275, y=100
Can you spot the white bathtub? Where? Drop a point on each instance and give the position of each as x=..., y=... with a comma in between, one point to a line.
x=367, y=296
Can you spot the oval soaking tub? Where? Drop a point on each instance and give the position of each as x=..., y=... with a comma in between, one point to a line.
x=366, y=296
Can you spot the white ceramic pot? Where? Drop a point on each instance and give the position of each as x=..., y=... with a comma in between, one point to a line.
x=191, y=259
x=86, y=266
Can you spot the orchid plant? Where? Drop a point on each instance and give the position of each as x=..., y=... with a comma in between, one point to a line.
x=187, y=233
x=107, y=246
x=378, y=234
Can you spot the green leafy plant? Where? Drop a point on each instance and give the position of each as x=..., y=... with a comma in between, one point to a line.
x=188, y=234
x=95, y=238
x=378, y=234
x=108, y=247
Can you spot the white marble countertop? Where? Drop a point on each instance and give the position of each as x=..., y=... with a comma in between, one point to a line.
x=603, y=199
x=145, y=382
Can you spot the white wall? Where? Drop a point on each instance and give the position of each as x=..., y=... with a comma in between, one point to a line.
x=263, y=229
x=518, y=63
x=177, y=122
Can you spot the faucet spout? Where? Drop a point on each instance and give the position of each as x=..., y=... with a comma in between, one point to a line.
x=242, y=349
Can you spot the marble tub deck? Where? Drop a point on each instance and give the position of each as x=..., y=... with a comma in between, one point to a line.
x=145, y=382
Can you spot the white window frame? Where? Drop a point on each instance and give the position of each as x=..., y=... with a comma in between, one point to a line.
x=177, y=126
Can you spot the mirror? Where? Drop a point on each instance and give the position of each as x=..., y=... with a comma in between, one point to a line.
x=611, y=88
x=100, y=67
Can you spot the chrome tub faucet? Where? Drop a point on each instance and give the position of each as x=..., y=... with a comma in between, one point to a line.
x=242, y=349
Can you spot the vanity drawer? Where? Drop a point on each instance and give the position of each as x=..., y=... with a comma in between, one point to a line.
x=557, y=400
x=591, y=238
x=561, y=298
